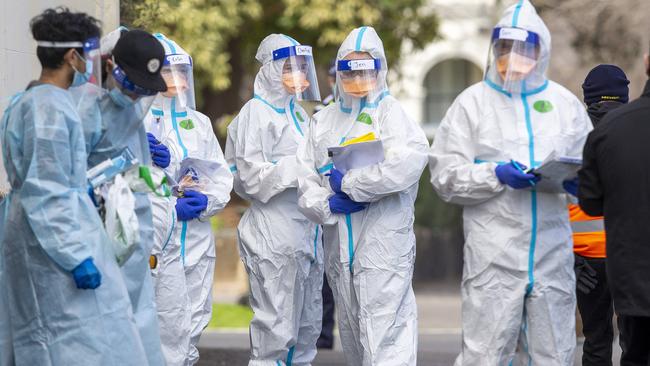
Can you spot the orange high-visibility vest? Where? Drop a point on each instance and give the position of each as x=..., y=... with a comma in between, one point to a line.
x=588, y=233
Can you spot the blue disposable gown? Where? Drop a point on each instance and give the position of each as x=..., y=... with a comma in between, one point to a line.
x=50, y=227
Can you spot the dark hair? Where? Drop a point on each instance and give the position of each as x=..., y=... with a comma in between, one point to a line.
x=61, y=25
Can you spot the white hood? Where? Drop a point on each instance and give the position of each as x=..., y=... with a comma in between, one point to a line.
x=363, y=39
x=523, y=15
x=268, y=81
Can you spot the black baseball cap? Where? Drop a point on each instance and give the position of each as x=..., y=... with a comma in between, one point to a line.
x=141, y=57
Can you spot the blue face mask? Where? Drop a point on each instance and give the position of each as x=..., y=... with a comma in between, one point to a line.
x=120, y=98
x=82, y=78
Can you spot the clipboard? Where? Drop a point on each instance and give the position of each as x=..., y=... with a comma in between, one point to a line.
x=554, y=171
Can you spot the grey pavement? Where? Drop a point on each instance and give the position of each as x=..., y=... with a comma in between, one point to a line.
x=232, y=349
x=439, y=341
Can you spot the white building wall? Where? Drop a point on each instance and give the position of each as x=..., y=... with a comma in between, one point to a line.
x=18, y=62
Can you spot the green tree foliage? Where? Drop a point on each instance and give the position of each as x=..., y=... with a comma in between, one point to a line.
x=219, y=33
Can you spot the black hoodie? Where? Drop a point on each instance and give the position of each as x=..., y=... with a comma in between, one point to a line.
x=614, y=182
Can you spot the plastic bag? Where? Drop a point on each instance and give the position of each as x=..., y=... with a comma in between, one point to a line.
x=189, y=181
x=148, y=179
x=121, y=221
x=194, y=175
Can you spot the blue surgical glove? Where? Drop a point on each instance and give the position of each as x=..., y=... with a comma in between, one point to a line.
x=513, y=175
x=340, y=203
x=571, y=186
x=86, y=275
x=159, y=152
x=336, y=177
x=191, y=205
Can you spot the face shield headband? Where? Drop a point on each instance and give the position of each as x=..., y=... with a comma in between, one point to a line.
x=298, y=72
x=358, y=77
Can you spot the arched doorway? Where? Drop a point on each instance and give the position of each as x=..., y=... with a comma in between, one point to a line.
x=439, y=230
x=443, y=83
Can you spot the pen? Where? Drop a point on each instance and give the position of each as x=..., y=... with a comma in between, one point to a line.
x=514, y=163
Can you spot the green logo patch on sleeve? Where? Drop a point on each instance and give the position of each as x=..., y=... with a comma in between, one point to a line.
x=365, y=118
x=187, y=124
x=299, y=116
x=543, y=106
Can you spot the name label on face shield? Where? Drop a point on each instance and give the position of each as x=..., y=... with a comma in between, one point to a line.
x=178, y=60
x=514, y=34
x=355, y=65
x=303, y=51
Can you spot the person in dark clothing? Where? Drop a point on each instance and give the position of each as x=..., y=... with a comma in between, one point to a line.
x=605, y=89
x=615, y=182
x=326, y=339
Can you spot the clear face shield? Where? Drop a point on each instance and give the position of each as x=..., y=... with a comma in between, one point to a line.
x=93, y=58
x=514, y=60
x=298, y=72
x=358, y=74
x=178, y=75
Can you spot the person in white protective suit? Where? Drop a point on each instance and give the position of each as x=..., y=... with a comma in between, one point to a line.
x=518, y=285
x=279, y=247
x=185, y=244
x=367, y=213
x=66, y=301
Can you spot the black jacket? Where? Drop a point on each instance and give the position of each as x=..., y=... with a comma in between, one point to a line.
x=615, y=182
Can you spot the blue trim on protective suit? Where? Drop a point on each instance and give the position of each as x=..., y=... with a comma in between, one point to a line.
x=533, y=237
x=360, y=38
x=293, y=115
x=276, y=109
x=161, y=37
x=482, y=161
x=182, y=145
x=496, y=87
x=183, y=238
x=539, y=89
x=293, y=41
x=515, y=15
x=290, y=355
x=316, y=243
x=325, y=168
x=344, y=109
x=348, y=223
x=381, y=96
x=364, y=104
x=174, y=115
